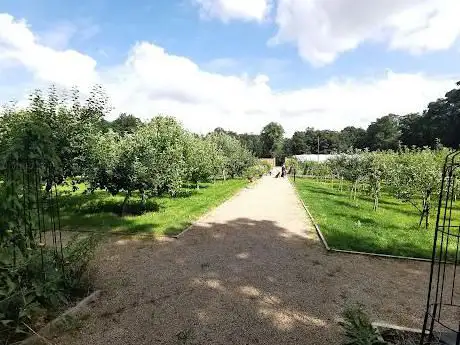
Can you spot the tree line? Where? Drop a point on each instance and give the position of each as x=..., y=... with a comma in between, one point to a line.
x=68, y=138
x=412, y=175
x=437, y=125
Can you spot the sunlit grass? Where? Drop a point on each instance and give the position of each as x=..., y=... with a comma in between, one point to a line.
x=164, y=216
x=353, y=225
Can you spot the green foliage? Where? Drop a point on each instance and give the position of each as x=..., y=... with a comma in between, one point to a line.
x=316, y=169
x=125, y=124
x=236, y=158
x=252, y=142
x=353, y=224
x=438, y=125
x=292, y=164
x=256, y=171
x=376, y=169
x=151, y=161
x=53, y=130
x=272, y=140
x=410, y=174
x=204, y=161
x=384, y=133
x=266, y=166
x=163, y=215
x=416, y=175
x=40, y=283
x=358, y=328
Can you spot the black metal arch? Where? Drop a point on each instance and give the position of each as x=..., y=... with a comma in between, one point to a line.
x=442, y=315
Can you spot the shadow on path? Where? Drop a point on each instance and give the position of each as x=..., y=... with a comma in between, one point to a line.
x=242, y=281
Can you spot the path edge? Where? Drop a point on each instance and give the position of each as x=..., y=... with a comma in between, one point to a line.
x=77, y=311
x=207, y=213
x=352, y=252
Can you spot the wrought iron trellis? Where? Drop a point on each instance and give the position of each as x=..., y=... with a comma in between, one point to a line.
x=441, y=323
x=29, y=219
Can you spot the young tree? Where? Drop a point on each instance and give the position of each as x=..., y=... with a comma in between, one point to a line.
x=376, y=166
x=236, y=157
x=203, y=159
x=150, y=161
x=351, y=168
x=416, y=176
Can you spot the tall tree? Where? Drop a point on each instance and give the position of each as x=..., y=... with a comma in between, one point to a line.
x=272, y=139
x=351, y=138
x=311, y=140
x=252, y=142
x=442, y=119
x=126, y=123
x=299, y=146
x=412, y=130
x=384, y=133
x=328, y=141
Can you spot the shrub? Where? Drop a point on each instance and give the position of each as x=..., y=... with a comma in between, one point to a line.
x=38, y=285
x=358, y=328
x=292, y=164
x=266, y=166
x=255, y=171
x=236, y=157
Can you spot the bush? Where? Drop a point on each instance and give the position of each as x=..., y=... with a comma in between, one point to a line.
x=292, y=164
x=255, y=171
x=236, y=158
x=35, y=287
x=358, y=328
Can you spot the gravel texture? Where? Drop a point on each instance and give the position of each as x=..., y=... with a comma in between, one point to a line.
x=251, y=272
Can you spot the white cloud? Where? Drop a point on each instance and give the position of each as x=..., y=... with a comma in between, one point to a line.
x=152, y=81
x=58, y=36
x=226, y=10
x=66, y=67
x=322, y=29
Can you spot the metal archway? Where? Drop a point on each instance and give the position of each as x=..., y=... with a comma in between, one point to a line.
x=442, y=316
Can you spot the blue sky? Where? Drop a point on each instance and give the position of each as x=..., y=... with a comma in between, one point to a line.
x=283, y=59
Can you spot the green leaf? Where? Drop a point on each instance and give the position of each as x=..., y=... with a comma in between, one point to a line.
x=6, y=322
x=11, y=285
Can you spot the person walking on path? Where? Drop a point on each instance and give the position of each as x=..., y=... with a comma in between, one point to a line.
x=283, y=170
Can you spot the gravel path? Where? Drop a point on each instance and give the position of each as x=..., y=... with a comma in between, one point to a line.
x=251, y=272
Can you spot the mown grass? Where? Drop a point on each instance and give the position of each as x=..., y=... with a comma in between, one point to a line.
x=100, y=211
x=353, y=225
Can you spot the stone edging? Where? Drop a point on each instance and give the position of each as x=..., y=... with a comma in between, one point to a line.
x=329, y=249
x=395, y=327
x=53, y=326
x=206, y=214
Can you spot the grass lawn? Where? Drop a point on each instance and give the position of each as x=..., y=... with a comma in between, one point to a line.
x=353, y=225
x=165, y=215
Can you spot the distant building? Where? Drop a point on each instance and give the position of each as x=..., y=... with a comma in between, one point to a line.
x=314, y=157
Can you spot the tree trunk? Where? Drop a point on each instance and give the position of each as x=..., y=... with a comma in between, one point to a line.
x=376, y=203
x=143, y=201
x=422, y=215
x=355, y=190
x=125, y=201
x=425, y=215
